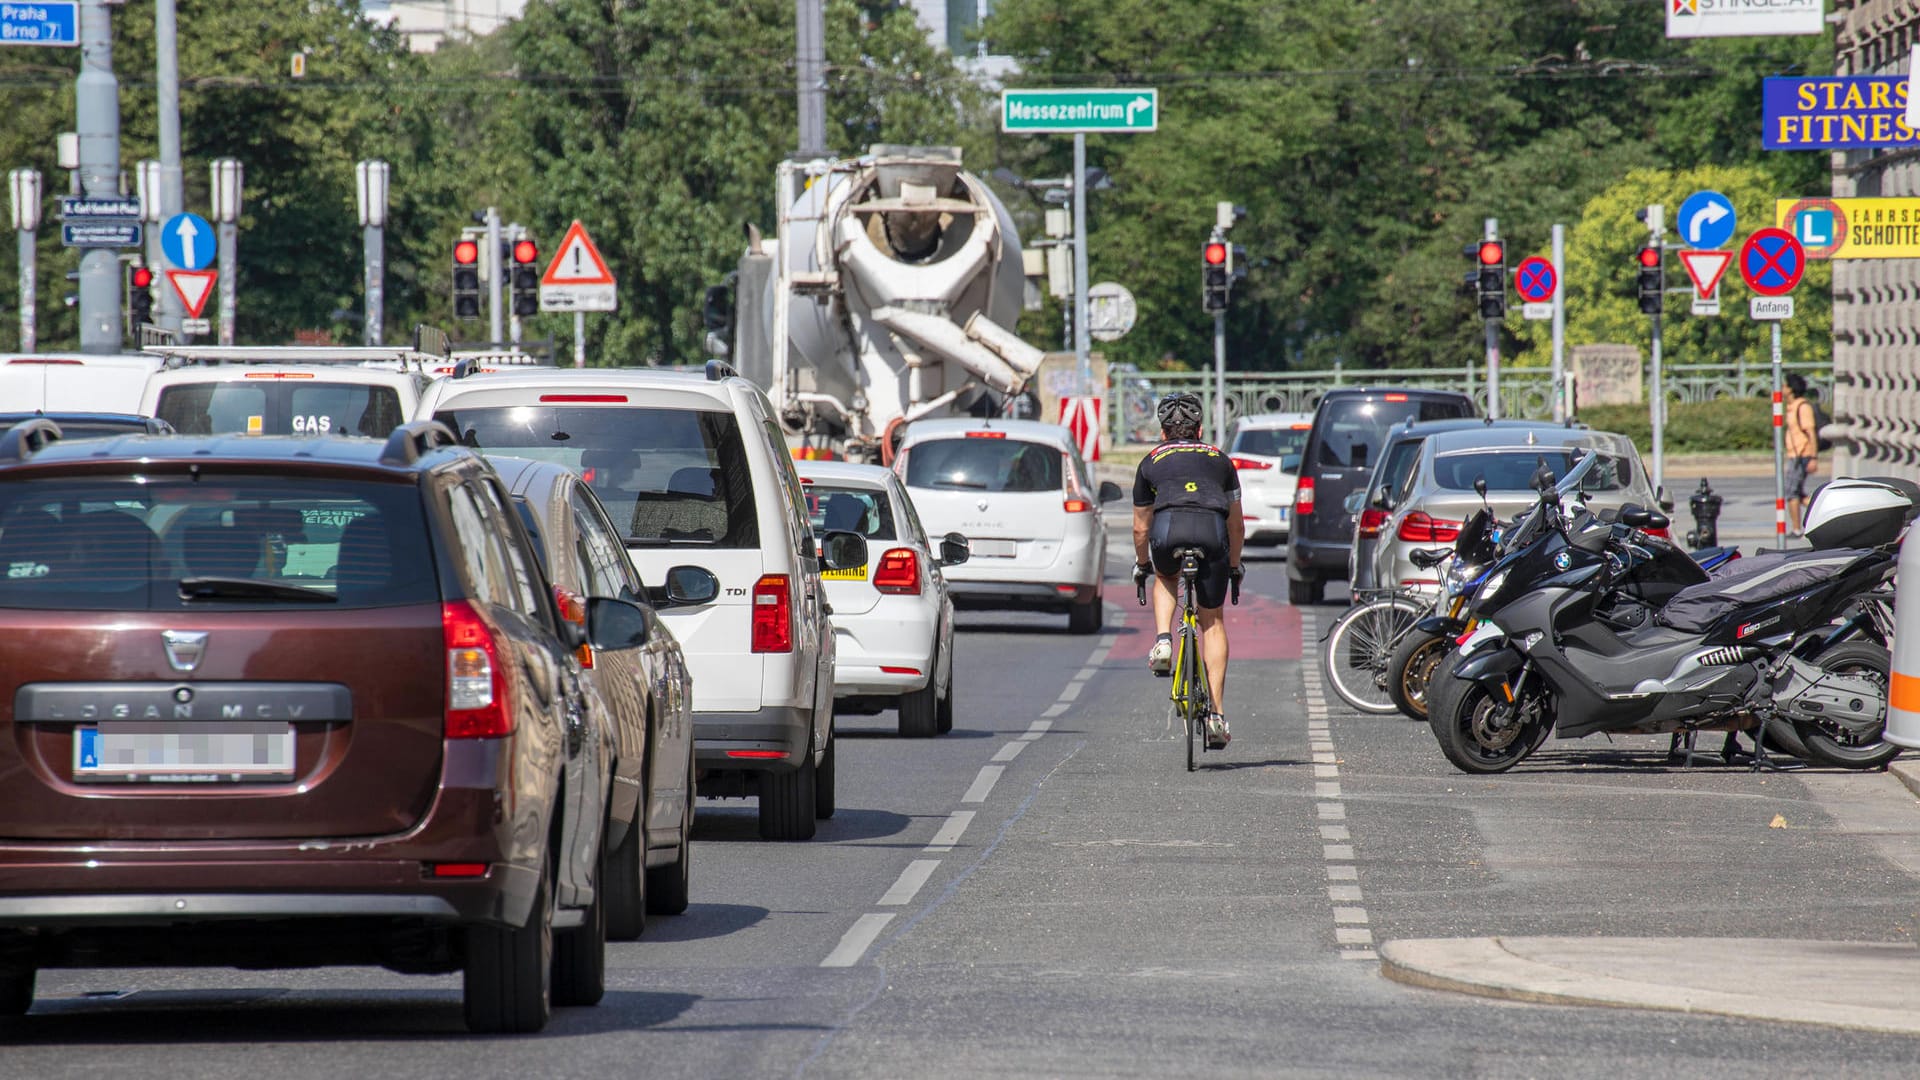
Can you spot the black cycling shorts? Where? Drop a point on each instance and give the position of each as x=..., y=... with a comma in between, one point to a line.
x=1175, y=528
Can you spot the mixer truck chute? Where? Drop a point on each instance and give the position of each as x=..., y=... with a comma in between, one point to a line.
x=887, y=294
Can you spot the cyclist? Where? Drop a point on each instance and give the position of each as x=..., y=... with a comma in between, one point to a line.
x=1187, y=494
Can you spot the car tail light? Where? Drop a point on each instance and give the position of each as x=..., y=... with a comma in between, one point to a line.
x=1077, y=505
x=1249, y=463
x=598, y=399
x=773, y=614
x=1395, y=397
x=1661, y=532
x=1419, y=528
x=37, y=360
x=279, y=375
x=899, y=670
x=457, y=869
x=757, y=755
x=477, y=705
x=573, y=608
x=1303, y=496
x=986, y=434
x=1372, y=519
x=898, y=572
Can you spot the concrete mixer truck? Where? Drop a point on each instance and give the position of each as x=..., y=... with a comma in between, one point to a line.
x=887, y=294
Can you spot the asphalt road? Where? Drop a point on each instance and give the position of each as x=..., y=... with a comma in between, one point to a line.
x=1047, y=892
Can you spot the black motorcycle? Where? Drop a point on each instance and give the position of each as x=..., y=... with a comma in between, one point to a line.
x=1565, y=645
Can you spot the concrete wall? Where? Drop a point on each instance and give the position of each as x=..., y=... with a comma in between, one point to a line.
x=1876, y=303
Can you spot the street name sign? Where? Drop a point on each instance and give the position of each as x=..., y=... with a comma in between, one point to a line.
x=1771, y=262
x=578, y=279
x=1706, y=220
x=48, y=22
x=115, y=208
x=1867, y=228
x=196, y=326
x=1108, y=109
x=192, y=287
x=187, y=240
x=100, y=233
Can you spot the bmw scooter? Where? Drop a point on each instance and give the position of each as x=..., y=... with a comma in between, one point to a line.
x=1549, y=657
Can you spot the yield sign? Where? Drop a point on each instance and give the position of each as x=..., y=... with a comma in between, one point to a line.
x=193, y=287
x=1705, y=268
x=1771, y=262
x=577, y=261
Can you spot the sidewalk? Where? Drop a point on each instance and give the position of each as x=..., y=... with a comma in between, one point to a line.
x=1855, y=985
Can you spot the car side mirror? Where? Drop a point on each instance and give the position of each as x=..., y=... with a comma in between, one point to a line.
x=954, y=549
x=691, y=585
x=616, y=624
x=1354, y=501
x=1380, y=498
x=843, y=550
x=573, y=635
x=1111, y=492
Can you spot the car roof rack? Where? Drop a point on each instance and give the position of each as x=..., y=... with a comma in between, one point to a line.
x=429, y=345
x=27, y=438
x=415, y=439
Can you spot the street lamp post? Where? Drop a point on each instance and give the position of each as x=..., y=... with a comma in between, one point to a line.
x=24, y=185
x=371, y=184
x=227, y=180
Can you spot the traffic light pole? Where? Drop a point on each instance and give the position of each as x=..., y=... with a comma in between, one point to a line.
x=1657, y=399
x=96, y=100
x=1779, y=447
x=490, y=285
x=29, y=254
x=1493, y=344
x=1220, y=378
x=1081, y=351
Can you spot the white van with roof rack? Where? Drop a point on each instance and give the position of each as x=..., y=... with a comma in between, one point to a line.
x=287, y=389
x=693, y=469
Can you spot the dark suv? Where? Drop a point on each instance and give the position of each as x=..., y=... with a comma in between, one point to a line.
x=1349, y=428
x=286, y=702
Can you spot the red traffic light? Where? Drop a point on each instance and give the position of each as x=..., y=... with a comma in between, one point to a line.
x=525, y=252
x=1649, y=257
x=142, y=277
x=466, y=253
x=1215, y=254
x=1492, y=253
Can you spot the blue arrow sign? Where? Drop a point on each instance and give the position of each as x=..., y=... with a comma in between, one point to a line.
x=1706, y=220
x=51, y=22
x=188, y=241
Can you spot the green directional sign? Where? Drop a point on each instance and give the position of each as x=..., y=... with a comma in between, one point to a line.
x=1107, y=109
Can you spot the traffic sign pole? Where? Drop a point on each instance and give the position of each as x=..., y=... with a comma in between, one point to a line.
x=1657, y=403
x=1080, y=348
x=1779, y=448
x=96, y=104
x=1560, y=325
x=1493, y=345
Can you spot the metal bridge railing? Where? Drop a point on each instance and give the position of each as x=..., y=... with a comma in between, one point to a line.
x=1524, y=392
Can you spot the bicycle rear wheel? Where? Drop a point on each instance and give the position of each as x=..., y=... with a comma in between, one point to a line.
x=1193, y=702
x=1355, y=659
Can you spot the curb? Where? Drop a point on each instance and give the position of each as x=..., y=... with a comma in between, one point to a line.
x=1908, y=773
x=1496, y=968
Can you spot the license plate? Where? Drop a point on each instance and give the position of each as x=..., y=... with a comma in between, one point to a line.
x=994, y=549
x=852, y=573
x=184, y=752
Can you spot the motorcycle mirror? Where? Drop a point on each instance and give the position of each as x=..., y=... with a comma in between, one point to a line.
x=1480, y=486
x=1542, y=476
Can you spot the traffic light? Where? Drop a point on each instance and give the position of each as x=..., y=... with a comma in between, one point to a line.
x=139, y=297
x=466, y=280
x=1216, y=276
x=1491, y=257
x=1653, y=280
x=526, y=279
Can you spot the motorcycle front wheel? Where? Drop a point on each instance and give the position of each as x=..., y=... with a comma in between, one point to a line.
x=1464, y=722
x=1833, y=744
x=1411, y=669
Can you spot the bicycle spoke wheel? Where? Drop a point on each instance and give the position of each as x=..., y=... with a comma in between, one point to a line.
x=1355, y=659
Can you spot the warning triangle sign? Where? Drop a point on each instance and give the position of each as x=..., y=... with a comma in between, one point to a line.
x=193, y=287
x=577, y=261
x=1705, y=268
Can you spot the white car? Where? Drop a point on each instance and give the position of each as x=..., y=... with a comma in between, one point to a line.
x=74, y=382
x=1266, y=450
x=286, y=390
x=692, y=468
x=1023, y=498
x=892, y=617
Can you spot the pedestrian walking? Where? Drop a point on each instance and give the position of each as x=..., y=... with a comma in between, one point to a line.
x=1803, y=448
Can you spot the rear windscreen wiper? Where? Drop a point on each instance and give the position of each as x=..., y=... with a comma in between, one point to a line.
x=221, y=588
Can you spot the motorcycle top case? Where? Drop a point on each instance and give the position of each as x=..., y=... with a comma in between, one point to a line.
x=1864, y=513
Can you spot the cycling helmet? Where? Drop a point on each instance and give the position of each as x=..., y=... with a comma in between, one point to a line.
x=1180, y=408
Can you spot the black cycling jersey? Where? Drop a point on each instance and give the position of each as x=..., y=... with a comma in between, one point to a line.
x=1187, y=474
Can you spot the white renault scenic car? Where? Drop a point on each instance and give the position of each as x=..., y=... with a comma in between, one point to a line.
x=1018, y=491
x=693, y=470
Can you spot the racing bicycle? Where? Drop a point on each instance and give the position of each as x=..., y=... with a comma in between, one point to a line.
x=1191, y=696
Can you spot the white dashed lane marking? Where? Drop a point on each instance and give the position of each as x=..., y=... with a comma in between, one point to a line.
x=1350, y=920
x=854, y=943
x=951, y=831
x=916, y=875
x=983, y=783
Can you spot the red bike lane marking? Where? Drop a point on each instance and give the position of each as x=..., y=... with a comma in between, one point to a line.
x=1260, y=628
